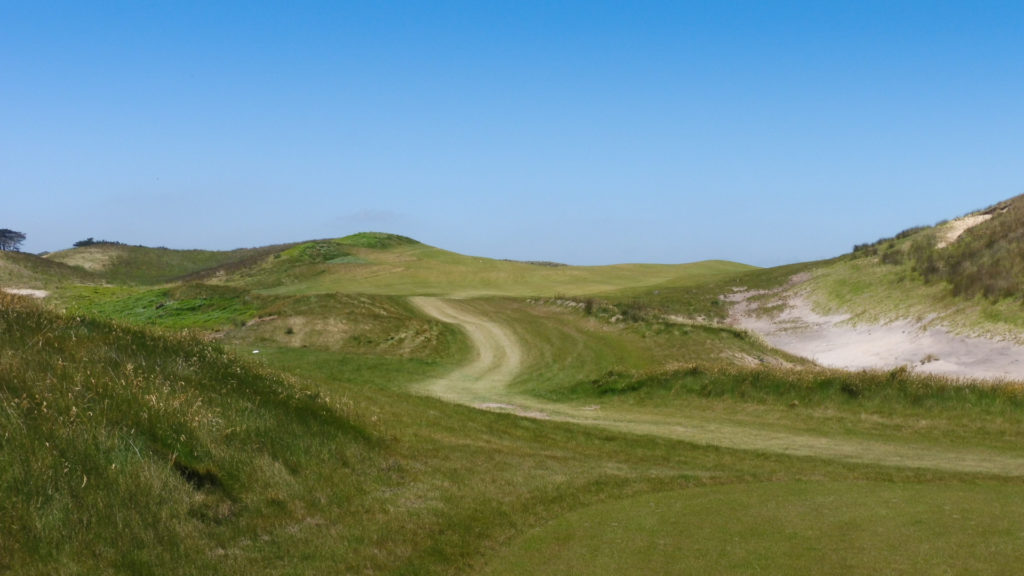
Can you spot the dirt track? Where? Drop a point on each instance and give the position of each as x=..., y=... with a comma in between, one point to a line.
x=483, y=383
x=498, y=356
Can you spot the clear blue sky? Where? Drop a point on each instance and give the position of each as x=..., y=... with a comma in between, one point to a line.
x=582, y=132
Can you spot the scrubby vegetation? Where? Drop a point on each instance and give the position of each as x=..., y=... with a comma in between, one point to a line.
x=987, y=260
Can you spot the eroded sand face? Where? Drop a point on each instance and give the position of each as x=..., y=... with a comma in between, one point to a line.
x=831, y=341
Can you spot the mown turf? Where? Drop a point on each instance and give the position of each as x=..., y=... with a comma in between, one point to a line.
x=838, y=528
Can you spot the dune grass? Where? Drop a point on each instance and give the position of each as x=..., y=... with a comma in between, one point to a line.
x=19, y=270
x=141, y=265
x=134, y=452
x=872, y=292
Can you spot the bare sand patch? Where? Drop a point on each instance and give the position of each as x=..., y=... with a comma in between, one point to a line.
x=30, y=292
x=952, y=230
x=831, y=340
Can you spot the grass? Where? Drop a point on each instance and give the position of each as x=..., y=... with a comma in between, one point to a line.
x=410, y=269
x=783, y=528
x=564, y=346
x=193, y=306
x=20, y=270
x=874, y=293
x=971, y=286
x=129, y=449
x=140, y=265
x=219, y=466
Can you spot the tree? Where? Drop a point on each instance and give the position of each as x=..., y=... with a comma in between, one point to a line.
x=10, y=240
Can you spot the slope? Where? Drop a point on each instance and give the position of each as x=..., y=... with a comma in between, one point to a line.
x=385, y=264
x=126, y=451
x=20, y=270
x=943, y=299
x=123, y=264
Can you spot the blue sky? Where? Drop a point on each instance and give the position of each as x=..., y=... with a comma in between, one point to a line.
x=582, y=132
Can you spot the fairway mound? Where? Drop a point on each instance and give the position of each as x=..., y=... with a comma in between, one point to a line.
x=786, y=319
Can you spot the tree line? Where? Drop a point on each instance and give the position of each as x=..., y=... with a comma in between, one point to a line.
x=10, y=240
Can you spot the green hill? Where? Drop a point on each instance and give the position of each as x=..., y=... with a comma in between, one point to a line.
x=122, y=264
x=373, y=263
x=967, y=274
x=20, y=270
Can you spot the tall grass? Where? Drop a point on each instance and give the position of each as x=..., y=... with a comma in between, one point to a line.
x=140, y=453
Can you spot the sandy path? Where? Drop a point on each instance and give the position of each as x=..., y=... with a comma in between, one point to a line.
x=830, y=341
x=483, y=383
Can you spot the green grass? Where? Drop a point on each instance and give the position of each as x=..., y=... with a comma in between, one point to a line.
x=140, y=265
x=129, y=450
x=409, y=269
x=972, y=286
x=872, y=292
x=564, y=346
x=784, y=528
x=19, y=270
x=893, y=406
x=195, y=306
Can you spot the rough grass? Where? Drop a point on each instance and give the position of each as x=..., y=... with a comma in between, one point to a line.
x=880, y=405
x=140, y=265
x=20, y=270
x=564, y=346
x=972, y=286
x=133, y=452
x=876, y=293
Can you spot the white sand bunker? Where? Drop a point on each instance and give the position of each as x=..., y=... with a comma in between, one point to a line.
x=30, y=292
x=829, y=341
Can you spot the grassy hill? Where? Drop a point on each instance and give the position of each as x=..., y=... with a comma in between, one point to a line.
x=385, y=264
x=122, y=264
x=139, y=433
x=973, y=284
x=19, y=270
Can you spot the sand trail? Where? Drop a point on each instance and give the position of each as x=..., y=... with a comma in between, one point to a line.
x=483, y=383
